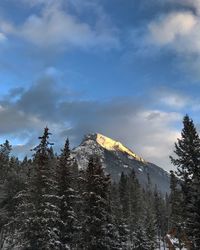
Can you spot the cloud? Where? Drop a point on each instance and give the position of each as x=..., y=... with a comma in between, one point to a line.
x=41, y=97
x=172, y=27
x=178, y=31
x=148, y=131
x=172, y=99
x=195, y=4
x=2, y=37
x=39, y=2
x=54, y=26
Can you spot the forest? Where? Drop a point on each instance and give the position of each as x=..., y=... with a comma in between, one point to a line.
x=49, y=202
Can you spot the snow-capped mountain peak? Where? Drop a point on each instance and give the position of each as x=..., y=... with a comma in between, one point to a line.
x=117, y=158
x=113, y=145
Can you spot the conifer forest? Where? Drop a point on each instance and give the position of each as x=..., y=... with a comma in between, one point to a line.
x=49, y=203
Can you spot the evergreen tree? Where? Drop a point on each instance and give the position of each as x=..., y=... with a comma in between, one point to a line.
x=187, y=161
x=150, y=227
x=124, y=196
x=5, y=150
x=124, y=230
x=98, y=230
x=43, y=228
x=67, y=198
x=176, y=221
x=135, y=206
x=35, y=224
x=12, y=183
x=141, y=241
x=122, y=227
x=161, y=214
x=175, y=202
x=149, y=216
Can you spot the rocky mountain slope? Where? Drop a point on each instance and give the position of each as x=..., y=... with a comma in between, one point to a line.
x=116, y=158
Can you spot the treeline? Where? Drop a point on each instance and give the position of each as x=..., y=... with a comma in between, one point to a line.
x=47, y=202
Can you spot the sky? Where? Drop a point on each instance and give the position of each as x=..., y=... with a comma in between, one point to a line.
x=128, y=69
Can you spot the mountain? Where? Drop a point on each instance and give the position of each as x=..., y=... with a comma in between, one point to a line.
x=117, y=158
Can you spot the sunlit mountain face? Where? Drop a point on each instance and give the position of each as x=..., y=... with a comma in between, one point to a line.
x=113, y=145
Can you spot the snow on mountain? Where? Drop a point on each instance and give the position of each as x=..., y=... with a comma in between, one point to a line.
x=112, y=145
x=117, y=158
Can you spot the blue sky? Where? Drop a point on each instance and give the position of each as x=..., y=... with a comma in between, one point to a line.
x=128, y=69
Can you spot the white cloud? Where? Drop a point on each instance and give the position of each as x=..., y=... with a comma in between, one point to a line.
x=173, y=99
x=156, y=134
x=179, y=32
x=55, y=27
x=172, y=27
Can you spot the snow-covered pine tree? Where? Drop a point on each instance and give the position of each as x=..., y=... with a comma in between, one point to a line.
x=12, y=183
x=98, y=230
x=35, y=224
x=67, y=198
x=187, y=161
x=161, y=215
x=5, y=150
x=149, y=216
x=122, y=228
x=124, y=196
x=141, y=241
x=176, y=213
x=135, y=205
x=43, y=227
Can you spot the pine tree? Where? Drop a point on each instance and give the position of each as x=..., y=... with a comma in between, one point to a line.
x=187, y=161
x=5, y=150
x=67, y=198
x=124, y=230
x=141, y=242
x=35, y=224
x=135, y=205
x=98, y=230
x=13, y=182
x=150, y=227
x=161, y=214
x=176, y=220
x=124, y=196
x=175, y=202
x=122, y=227
x=149, y=216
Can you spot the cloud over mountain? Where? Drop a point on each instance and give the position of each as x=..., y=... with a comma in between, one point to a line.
x=148, y=131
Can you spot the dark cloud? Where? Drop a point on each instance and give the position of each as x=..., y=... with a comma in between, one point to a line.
x=41, y=99
x=15, y=92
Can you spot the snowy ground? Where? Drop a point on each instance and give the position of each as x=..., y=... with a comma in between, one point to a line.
x=166, y=248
